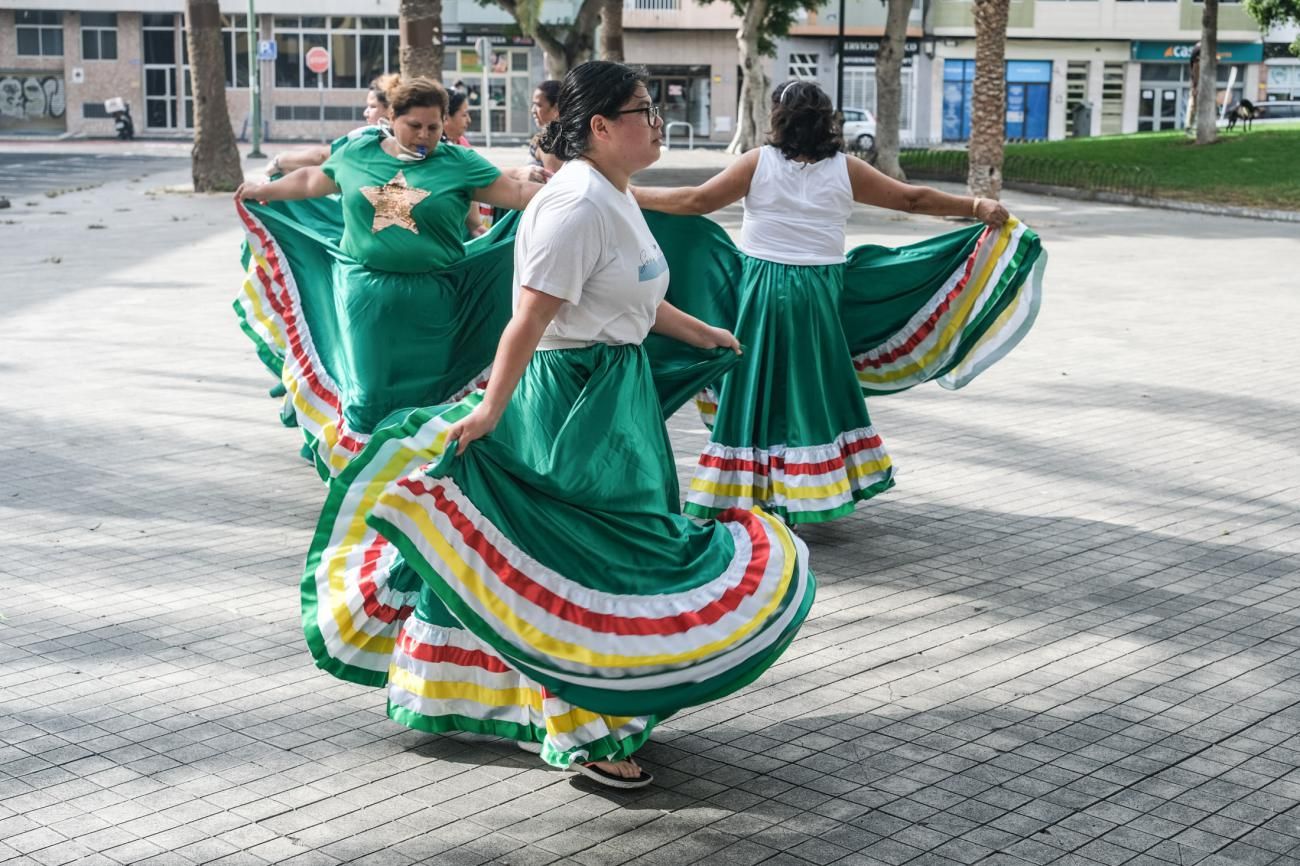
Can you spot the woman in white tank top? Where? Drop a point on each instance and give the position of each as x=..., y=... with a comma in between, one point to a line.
x=791, y=431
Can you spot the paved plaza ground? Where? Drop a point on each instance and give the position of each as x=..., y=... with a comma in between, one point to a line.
x=1070, y=635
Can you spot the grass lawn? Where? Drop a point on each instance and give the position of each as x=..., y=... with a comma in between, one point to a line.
x=1260, y=168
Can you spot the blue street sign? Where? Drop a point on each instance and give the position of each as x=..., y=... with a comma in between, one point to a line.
x=266, y=49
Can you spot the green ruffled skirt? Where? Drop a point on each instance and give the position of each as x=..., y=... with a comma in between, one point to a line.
x=544, y=586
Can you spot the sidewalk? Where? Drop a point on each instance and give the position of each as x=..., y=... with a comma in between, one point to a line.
x=1068, y=636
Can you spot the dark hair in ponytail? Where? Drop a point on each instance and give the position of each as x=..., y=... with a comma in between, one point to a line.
x=803, y=122
x=597, y=87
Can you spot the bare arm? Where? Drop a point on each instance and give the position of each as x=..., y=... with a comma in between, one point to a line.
x=728, y=186
x=672, y=322
x=529, y=172
x=508, y=192
x=518, y=342
x=308, y=182
x=300, y=157
x=473, y=221
x=876, y=188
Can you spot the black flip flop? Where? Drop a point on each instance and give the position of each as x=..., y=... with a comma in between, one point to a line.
x=609, y=780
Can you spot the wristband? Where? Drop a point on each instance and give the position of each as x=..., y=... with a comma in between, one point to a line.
x=975, y=207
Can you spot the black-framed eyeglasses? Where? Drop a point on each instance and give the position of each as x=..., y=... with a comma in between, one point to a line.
x=653, y=117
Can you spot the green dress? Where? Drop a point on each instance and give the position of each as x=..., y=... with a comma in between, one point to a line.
x=480, y=590
x=545, y=586
x=790, y=431
x=369, y=302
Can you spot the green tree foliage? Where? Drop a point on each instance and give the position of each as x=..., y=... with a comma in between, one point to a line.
x=1276, y=13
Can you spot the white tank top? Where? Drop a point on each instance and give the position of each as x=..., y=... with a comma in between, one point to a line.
x=795, y=212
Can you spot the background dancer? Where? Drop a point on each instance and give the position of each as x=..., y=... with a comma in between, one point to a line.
x=791, y=431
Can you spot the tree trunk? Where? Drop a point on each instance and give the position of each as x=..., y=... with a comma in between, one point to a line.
x=562, y=51
x=988, y=101
x=611, y=30
x=553, y=53
x=752, y=112
x=420, y=28
x=1207, y=78
x=215, y=158
x=889, y=87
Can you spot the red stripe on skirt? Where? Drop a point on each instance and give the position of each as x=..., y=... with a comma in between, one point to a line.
x=369, y=591
x=417, y=649
x=740, y=464
x=928, y=326
x=525, y=587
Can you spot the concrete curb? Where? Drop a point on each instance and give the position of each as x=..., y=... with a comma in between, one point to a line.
x=1161, y=203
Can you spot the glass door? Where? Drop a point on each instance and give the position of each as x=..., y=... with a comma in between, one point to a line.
x=1168, y=115
x=1160, y=108
x=160, y=92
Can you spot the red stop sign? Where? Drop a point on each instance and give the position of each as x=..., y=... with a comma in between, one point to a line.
x=318, y=60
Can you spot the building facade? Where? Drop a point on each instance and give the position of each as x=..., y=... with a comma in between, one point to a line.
x=811, y=52
x=58, y=66
x=1103, y=66
x=1113, y=66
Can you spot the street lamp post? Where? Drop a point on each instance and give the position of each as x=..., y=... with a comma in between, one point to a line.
x=839, y=65
x=254, y=84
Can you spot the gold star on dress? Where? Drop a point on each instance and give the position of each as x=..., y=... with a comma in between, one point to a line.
x=393, y=203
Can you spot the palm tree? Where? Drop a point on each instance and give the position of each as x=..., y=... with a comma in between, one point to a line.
x=1207, y=75
x=889, y=87
x=215, y=157
x=420, y=22
x=611, y=31
x=988, y=100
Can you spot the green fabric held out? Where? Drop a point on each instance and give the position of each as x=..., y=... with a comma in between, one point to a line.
x=580, y=474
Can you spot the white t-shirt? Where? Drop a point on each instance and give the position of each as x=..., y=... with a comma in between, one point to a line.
x=582, y=240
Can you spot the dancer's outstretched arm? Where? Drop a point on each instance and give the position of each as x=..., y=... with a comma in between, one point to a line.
x=874, y=187
x=728, y=186
x=672, y=322
x=299, y=157
x=507, y=191
x=308, y=182
x=518, y=342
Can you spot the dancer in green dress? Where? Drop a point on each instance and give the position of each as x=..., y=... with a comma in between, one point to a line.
x=405, y=313
x=517, y=563
x=791, y=432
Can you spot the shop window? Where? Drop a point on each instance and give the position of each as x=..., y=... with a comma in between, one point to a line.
x=313, y=112
x=234, y=45
x=1076, y=92
x=40, y=33
x=98, y=35
x=1112, y=98
x=509, y=91
x=361, y=49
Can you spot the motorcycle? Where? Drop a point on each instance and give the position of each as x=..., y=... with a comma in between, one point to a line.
x=118, y=109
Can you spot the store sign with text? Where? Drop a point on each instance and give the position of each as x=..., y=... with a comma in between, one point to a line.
x=862, y=52
x=1181, y=52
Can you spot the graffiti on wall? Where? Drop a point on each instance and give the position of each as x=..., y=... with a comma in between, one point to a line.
x=32, y=102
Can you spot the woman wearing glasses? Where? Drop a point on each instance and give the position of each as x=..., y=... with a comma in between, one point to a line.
x=562, y=599
x=790, y=430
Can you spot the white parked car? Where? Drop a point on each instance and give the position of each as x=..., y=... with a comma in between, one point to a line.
x=859, y=129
